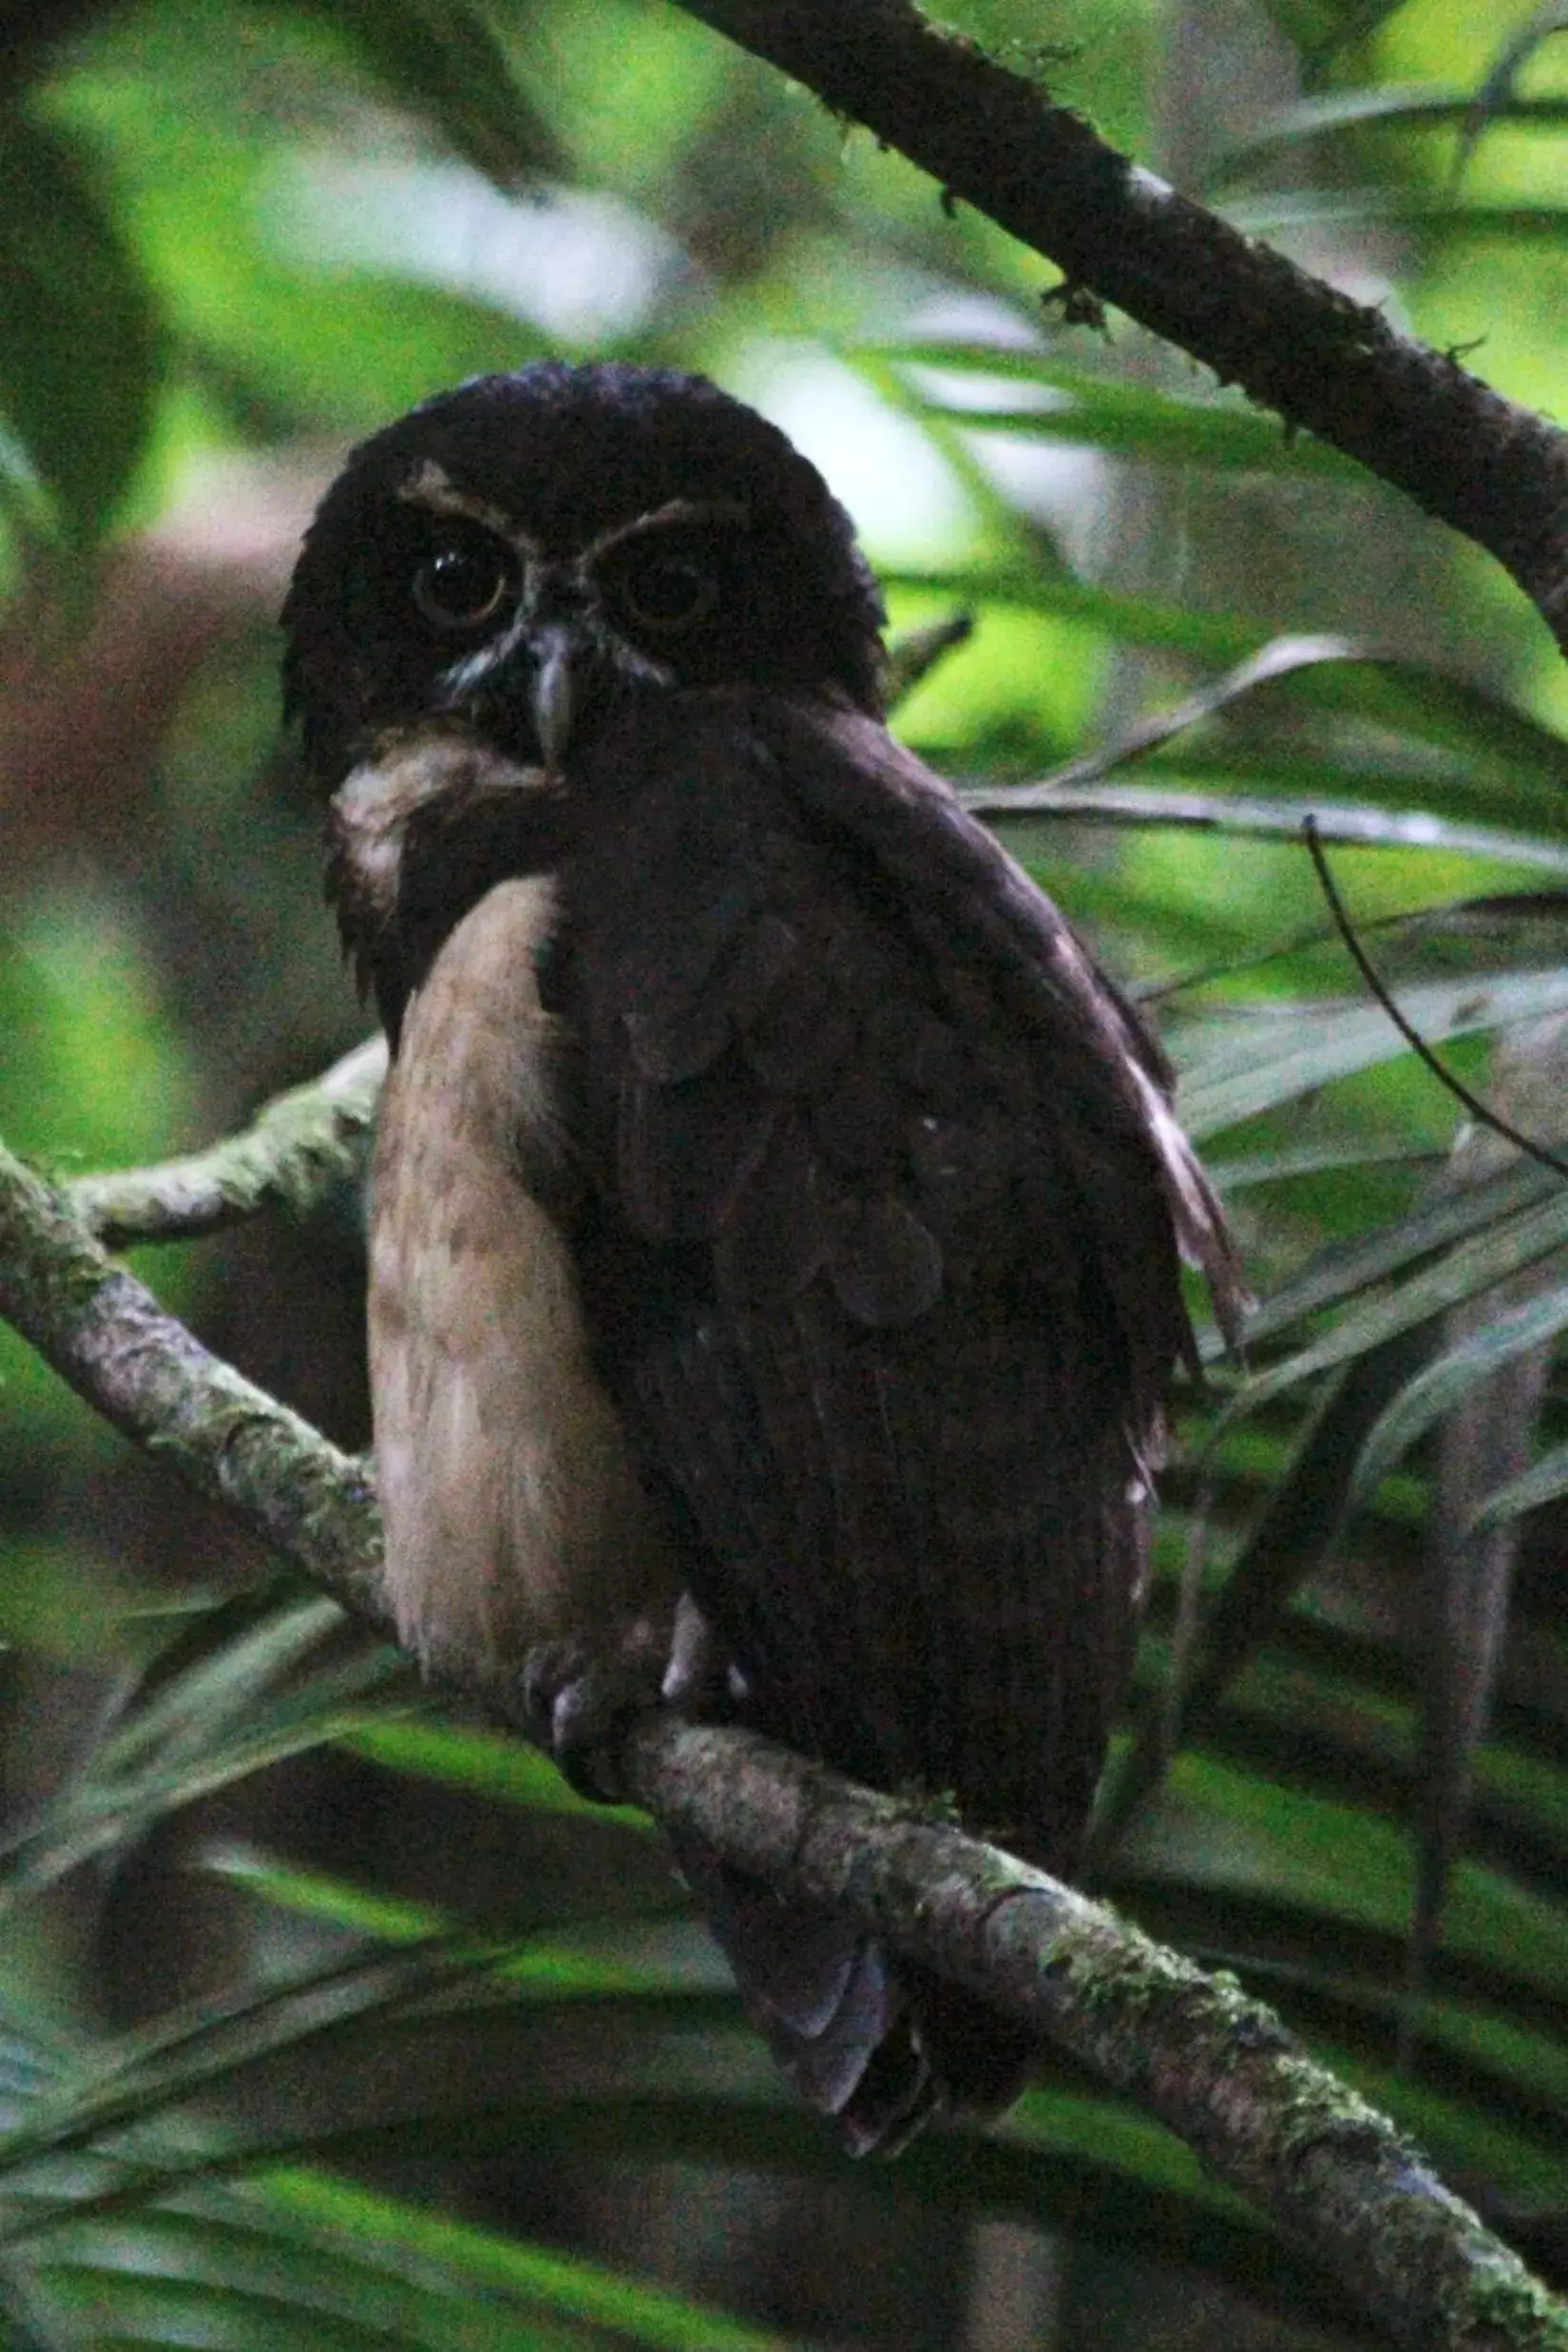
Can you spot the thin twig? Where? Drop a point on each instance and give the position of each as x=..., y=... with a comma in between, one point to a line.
x=1480, y=1111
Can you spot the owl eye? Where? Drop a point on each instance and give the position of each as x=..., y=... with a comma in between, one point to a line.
x=460, y=587
x=666, y=594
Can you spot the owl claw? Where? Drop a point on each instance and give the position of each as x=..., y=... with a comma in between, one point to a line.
x=697, y=1676
x=575, y=1705
x=576, y=1702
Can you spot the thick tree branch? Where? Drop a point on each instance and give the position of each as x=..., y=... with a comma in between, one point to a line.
x=1494, y=470
x=1192, y=2050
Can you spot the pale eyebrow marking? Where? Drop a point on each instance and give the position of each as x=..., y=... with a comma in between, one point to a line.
x=430, y=487
x=736, y=510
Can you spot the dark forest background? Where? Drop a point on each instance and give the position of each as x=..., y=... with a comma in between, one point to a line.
x=260, y=1896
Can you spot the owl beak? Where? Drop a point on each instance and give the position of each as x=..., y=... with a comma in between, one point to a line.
x=554, y=691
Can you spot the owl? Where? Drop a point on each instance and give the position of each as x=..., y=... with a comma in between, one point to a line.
x=778, y=1219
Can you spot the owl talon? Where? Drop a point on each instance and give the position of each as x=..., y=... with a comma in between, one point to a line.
x=576, y=1704
x=700, y=1675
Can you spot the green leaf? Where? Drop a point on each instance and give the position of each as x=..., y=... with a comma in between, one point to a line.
x=1441, y=220
x=334, y=1901
x=1441, y=1385
x=1460, y=1275
x=1232, y=1832
x=556, y=2283
x=487, y=1763
x=1335, y=112
x=1544, y=1482
x=1258, y=1168
x=1321, y=27
x=1343, y=1272
x=1103, y=412
x=1120, y=2179
x=547, y=1966
x=83, y=345
x=442, y=59
x=1240, y=814
x=1233, y=1070
x=1496, y=95
x=1285, y=1542
x=1332, y=674
x=142, y=2074
x=233, y=1706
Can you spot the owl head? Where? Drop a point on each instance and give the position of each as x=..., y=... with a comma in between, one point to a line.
x=512, y=556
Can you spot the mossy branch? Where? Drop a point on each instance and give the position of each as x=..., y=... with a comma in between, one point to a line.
x=1192, y=2050
x=1494, y=470
x=297, y=1146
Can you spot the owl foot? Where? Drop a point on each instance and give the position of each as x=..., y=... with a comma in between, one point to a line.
x=576, y=1704
x=577, y=1701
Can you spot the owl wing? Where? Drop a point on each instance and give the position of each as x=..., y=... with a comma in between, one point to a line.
x=881, y=1248
x=879, y=1252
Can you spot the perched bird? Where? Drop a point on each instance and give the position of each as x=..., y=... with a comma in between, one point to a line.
x=777, y=1226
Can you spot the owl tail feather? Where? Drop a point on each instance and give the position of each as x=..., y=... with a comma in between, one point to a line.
x=876, y=2043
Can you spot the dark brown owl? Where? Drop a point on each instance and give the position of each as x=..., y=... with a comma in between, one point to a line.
x=777, y=1218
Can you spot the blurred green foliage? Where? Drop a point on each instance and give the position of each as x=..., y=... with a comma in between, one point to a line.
x=268, y=1930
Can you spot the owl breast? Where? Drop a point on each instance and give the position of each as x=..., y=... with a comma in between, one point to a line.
x=512, y=1513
